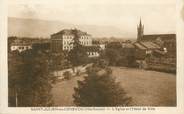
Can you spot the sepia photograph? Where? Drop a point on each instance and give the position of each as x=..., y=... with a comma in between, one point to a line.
x=92, y=53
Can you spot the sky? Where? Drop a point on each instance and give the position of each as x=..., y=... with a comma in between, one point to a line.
x=182, y=11
x=158, y=16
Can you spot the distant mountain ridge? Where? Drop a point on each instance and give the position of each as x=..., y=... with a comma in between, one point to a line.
x=43, y=28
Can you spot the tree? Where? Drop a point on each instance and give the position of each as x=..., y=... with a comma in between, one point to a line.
x=100, y=89
x=78, y=55
x=14, y=62
x=67, y=75
x=58, y=61
x=101, y=63
x=114, y=45
x=130, y=57
x=31, y=79
x=10, y=41
x=112, y=56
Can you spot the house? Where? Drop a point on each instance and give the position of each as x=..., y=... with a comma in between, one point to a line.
x=20, y=46
x=99, y=44
x=92, y=51
x=144, y=49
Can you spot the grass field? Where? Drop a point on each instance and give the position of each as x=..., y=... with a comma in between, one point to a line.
x=147, y=88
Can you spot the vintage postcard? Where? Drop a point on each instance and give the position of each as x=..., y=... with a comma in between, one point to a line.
x=102, y=56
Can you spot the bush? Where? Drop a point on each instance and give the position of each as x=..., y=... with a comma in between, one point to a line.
x=119, y=57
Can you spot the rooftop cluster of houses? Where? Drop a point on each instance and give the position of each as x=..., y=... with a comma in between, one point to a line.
x=160, y=44
x=22, y=44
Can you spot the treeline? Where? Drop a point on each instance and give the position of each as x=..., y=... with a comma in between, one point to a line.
x=116, y=55
x=29, y=79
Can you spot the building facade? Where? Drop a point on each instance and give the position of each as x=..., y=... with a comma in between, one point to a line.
x=93, y=51
x=63, y=40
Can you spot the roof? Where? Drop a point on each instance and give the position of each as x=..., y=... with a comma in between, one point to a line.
x=20, y=44
x=159, y=52
x=70, y=32
x=138, y=45
x=152, y=37
x=146, y=45
x=92, y=48
x=150, y=45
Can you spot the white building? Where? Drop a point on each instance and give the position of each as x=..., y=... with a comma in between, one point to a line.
x=102, y=46
x=62, y=41
x=20, y=47
x=93, y=51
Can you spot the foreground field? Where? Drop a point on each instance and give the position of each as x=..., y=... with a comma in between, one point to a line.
x=147, y=88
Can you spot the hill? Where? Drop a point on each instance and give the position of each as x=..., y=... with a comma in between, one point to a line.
x=43, y=28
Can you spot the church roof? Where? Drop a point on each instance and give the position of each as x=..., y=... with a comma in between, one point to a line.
x=152, y=37
x=92, y=48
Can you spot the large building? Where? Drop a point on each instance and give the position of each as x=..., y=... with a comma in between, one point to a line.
x=62, y=41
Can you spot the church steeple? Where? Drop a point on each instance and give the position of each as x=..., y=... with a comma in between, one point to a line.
x=140, y=24
x=140, y=30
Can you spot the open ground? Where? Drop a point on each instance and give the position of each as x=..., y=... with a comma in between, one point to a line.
x=147, y=88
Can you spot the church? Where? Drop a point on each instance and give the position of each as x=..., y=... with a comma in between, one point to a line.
x=163, y=44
